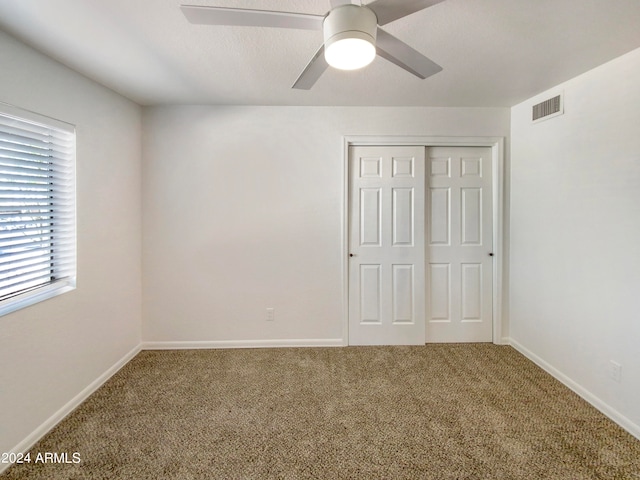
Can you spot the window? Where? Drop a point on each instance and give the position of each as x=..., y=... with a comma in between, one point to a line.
x=37, y=208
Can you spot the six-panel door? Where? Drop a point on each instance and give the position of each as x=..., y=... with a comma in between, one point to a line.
x=420, y=242
x=386, y=269
x=459, y=245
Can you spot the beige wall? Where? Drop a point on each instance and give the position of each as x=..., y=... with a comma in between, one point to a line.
x=575, y=236
x=243, y=210
x=53, y=350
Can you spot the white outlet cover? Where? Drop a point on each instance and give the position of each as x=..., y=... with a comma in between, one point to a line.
x=615, y=370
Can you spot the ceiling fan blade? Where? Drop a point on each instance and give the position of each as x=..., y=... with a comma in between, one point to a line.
x=390, y=10
x=251, y=18
x=312, y=72
x=398, y=52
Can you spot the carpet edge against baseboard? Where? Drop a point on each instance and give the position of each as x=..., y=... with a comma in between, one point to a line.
x=219, y=344
x=31, y=439
x=600, y=405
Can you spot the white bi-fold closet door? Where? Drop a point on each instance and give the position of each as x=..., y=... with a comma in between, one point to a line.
x=420, y=245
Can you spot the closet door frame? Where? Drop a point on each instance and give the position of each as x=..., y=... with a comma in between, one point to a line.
x=499, y=265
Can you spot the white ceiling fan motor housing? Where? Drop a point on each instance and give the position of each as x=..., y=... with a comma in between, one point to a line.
x=350, y=37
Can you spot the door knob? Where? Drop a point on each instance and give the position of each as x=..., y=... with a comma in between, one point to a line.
x=491, y=254
x=351, y=255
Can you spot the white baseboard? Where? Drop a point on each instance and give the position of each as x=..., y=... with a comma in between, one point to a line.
x=603, y=407
x=71, y=405
x=217, y=344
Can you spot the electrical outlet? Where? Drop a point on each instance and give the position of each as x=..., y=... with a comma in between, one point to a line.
x=615, y=370
x=271, y=314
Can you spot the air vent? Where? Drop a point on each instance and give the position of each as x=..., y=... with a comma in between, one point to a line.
x=547, y=109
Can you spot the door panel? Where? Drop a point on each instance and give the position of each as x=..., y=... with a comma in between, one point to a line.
x=370, y=216
x=402, y=222
x=402, y=294
x=386, y=271
x=440, y=216
x=471, y=292
x=370, y=294
x=439, y=300
x=471, y=209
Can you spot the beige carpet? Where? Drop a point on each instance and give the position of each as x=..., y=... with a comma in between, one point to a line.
x=434, y=412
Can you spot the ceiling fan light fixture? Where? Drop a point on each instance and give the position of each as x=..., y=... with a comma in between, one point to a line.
x=350, y=37
x=350, y=53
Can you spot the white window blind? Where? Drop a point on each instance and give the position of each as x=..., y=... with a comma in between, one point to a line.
x=37, y=208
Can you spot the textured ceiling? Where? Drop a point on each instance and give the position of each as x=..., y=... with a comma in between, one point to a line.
x=494, y=52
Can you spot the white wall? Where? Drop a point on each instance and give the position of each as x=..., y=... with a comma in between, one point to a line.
x=575, y=236
x=51, y=351
x=243, y=211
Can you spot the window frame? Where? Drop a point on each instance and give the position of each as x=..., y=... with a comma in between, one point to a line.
x=53, y=287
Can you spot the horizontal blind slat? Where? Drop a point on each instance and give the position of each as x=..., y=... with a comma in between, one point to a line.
x=25, y=232
x=31, y=276
x=6, y=226
x=12, y=157
x=35, y=176
x=25, y=272
x=52, y=150
x=9, y=238
x=11, y=160
x=42, y=257
x=63, y=252
x=44, y=142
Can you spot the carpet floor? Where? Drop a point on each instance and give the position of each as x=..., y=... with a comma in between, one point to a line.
x=474, y=411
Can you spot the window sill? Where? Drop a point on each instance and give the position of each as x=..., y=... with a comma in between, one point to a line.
x=38, y=295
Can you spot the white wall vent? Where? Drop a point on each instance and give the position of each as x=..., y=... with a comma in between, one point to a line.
x=548, y=109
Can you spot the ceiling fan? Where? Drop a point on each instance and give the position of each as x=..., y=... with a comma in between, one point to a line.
x=352, y=33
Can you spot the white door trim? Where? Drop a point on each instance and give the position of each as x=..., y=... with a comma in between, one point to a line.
x=497, y=150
